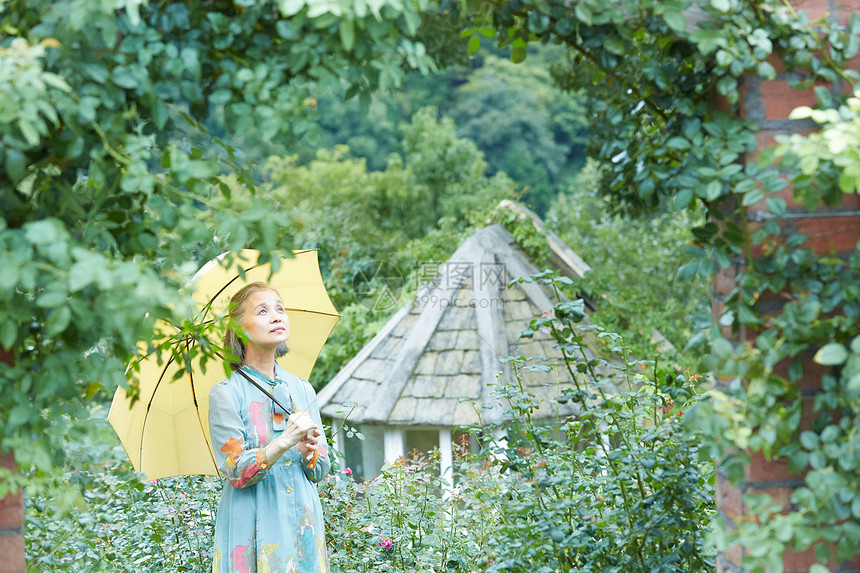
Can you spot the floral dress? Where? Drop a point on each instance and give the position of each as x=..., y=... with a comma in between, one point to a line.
x=269, y=518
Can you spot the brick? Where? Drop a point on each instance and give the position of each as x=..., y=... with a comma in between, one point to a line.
x=777, y=63
x=799, y=561
x=724, y=281
x=779, y=99
x=850, y=565
x=729, y=498
x=827, y=234
x=850, y=201
x=761, y=469
x=12, y=512
x=812, y=372
x=814, y=8
x=717, y=309
x=11, y=506
x=735, y=554
x=844, y=9
x=12, y=554
x=770, y=304
x=808, y=414
x=779, y=495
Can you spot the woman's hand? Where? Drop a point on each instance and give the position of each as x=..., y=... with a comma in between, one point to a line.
x=299, y=426
x=309, y=444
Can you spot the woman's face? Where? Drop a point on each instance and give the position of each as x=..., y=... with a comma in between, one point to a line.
x=265, y=321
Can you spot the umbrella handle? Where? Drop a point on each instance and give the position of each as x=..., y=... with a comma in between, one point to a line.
x=263, y=390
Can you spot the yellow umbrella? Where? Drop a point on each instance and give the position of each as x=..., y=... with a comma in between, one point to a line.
x=166, y=432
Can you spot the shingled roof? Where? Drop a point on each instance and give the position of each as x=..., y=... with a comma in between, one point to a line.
x=437, y=359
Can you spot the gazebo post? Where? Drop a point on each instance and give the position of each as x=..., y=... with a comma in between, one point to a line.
x=446, y=460
x=393, y=444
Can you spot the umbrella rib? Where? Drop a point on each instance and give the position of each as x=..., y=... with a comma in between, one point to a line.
x=149, y=405
x=199, y=420
x=208, y=306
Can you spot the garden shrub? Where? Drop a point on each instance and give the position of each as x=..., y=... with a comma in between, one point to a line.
x=620, y=486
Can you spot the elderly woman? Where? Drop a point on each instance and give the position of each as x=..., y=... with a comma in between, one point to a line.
x=266, y=431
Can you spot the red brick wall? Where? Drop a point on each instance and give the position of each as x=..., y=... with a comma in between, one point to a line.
x=837, y=230
x=11, y=515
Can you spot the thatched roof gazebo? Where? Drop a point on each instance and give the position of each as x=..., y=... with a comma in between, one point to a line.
x=433, y=366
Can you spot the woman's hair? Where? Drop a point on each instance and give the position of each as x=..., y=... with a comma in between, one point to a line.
x=232, y=341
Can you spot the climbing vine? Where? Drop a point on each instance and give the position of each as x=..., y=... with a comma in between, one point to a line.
x=665, y=84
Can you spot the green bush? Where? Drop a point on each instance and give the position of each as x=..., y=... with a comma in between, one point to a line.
x=620, y=486
x=110, y=520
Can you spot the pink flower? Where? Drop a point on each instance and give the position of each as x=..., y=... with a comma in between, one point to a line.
x=347, y=471
x=386, y=542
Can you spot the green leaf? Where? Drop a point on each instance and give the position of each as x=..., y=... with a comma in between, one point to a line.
x=831, y=354
x=347, y=33
x=80, y=275
x=16, y=164
x=753, y=196
x=713, y=189
x=583, y=13
x=473, y=45
x=678, y=143
x=291, y=7
x=809, y=440
x=8, y=333
x=615, y=45
x=58, y=320
x=722, y=348
x=688, y=270
x=776, y=205
x=51, y=299
x=29, y=132
x=518, y=52
x=675, y=20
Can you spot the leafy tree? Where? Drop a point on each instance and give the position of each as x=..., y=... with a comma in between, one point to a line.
x=105, y=213
x=524, y=124
x=413, y=213
x=654, y=77
x=634, y=265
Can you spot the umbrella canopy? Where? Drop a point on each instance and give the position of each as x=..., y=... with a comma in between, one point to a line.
x=166, y=432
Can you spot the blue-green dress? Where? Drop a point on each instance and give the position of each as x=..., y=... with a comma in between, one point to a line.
x=269, y=519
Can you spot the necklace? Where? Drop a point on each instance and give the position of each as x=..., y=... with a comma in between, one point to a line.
x=251, y=370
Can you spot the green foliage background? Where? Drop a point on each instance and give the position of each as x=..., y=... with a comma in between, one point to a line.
x=120, y=176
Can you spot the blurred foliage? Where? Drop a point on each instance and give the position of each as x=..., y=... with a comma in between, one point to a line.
x=664, y=91
x=524, y=125
x=105, y=211
x=414, y=213
x=634, y=270
x=97, y=515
